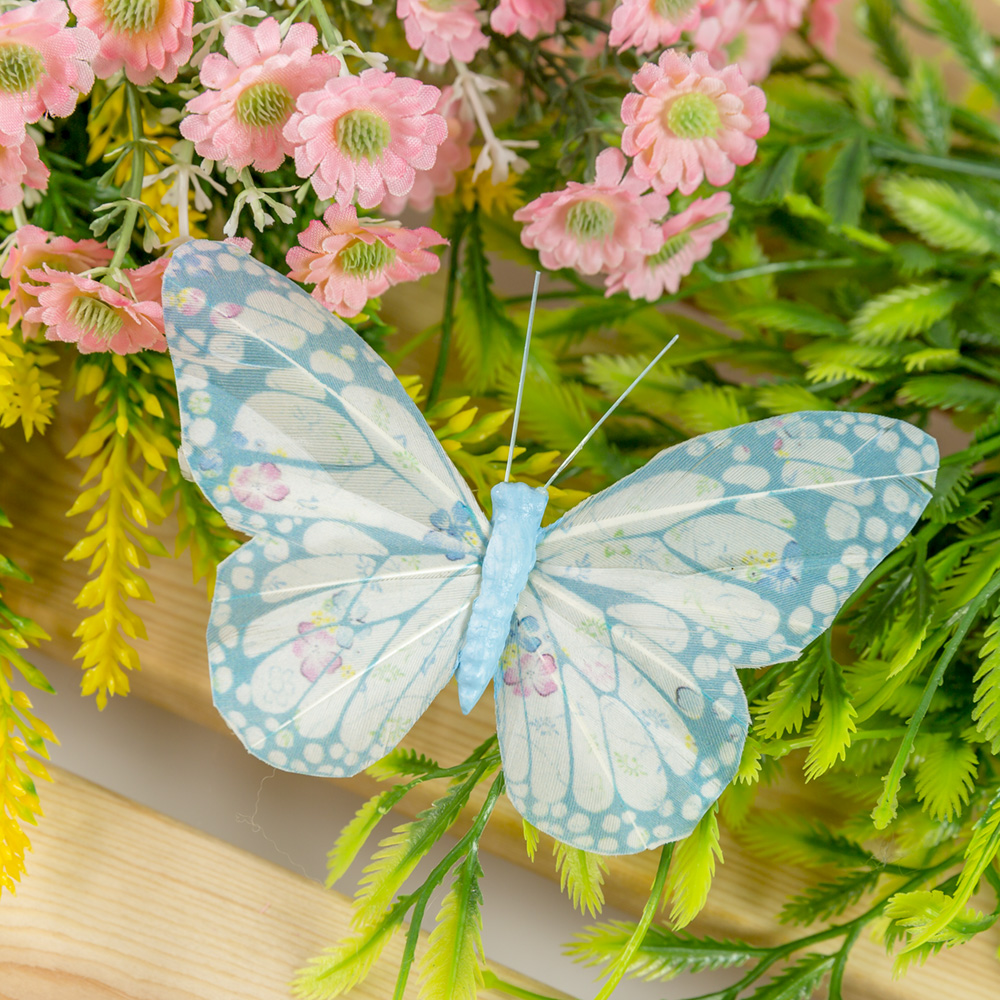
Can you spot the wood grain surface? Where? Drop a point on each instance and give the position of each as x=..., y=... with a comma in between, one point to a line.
x=125, y=903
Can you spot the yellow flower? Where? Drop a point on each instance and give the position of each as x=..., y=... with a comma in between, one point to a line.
x=500, y=200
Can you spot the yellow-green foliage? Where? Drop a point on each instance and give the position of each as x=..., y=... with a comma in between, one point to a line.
x=581, y=877
x=27, y=391
x=693, y=869
x=126, y=451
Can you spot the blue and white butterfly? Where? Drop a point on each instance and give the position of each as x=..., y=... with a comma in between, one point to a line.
x=611, y=636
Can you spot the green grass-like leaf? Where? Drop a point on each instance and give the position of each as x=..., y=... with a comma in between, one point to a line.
x=662, y=955
x=946, y=775
x=829, y=899
x=835, y=724
x=902, y=312
x=944, y=216
x=693, y=869
x=787, y=706
x=928, y=104
x=581, y=877
x=451, y=966
x=356, y=833
x=799, y=981
x=843, y=185
x=987, y=711
x=956, y=21
x=711, y=408
x=951, y=392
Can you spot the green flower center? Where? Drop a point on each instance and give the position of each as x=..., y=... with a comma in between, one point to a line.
x=672, y=10
x=20, y=67
x=361, y=260
x=590, y=220
x=693, y=116
x=132, y=15
x=674, y=245
x=94, y=316
x=362, y=134
x=263, y=104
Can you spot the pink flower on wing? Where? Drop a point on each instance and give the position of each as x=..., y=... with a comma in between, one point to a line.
x=318, y=651
x=95, y=317
x=34, y=248
x=527, y=17
x=44, y=66
x=442, y=29
x=255, y=485
x=687, y=238
x=650, y=25
x=453, y=155
x=690, y=122
x=146, y=38
x=19, y=165
x=824, y=26
x=366, y=134
x=351, y=261
x=742, y=32
x=594, y=227
x=532, y=674
x=239, y=119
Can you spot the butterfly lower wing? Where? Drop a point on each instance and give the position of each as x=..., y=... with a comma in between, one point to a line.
x=322, y=660
x=743, y=544
x=609, y=744
x=273, y=388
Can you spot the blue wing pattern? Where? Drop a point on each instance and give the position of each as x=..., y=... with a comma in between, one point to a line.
x=335, y=626
x=734, y=549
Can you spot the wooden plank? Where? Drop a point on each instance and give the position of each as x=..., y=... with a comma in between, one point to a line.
x=123, y=902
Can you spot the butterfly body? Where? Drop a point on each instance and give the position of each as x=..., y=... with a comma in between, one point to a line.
x=613, y=635
x=510, y=557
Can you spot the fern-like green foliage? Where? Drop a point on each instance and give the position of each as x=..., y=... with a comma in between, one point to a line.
x=987, y=711
x=693, y=869
x=451, y=965
x=581, y=877
x=946, y=775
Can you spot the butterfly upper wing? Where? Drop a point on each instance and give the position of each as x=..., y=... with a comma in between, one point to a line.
x=736, y=548
x=335, y=626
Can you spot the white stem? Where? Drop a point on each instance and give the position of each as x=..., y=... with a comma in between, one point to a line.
x=524, y=372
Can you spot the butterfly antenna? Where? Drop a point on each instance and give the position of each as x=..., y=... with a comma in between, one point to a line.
x=611, y=409
x=524, y=371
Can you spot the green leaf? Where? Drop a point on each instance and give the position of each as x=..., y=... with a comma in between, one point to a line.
x=711, y=408
x=944, y=216
x=799, y=981
x=987, y=711
x=693, y=869
x=663, y=954
x=946, y=775
x=338, y=969
x=451, y=965
x=787, y=316
x=769, y=182
x=796, y=841
x=843, y=186
x=531, y=837
x=403, y=763
x=835, y=724
x=9, y=568
x=912, y=913
x=790, y=398
x=356, y=833
x=799, y=106
x=581, y=877
x=31, y=673
x=904, y=311
x=829, y=899
x=958, y=24
x=951, y=392
x=929, y=106
x=787, y=706
x=878, y=19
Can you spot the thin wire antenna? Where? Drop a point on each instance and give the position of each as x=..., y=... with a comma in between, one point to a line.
x=611, y=409
x=524, y=371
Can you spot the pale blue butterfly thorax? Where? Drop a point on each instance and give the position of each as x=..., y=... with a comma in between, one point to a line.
x=510, y=557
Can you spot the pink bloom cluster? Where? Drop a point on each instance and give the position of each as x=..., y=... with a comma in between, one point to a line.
x=49, y=290
x=748, y=33
x=687, y=123
x=443, y=29
x=350, y=261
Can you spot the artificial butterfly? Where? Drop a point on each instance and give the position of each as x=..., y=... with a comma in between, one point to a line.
x=620, y=716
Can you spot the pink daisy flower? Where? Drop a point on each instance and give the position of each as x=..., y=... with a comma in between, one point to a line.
x=650, y=25
x=34, y=248
x=239, y=119
x=79, y=310
x=19, y=165
x=147, y=281
x=442, y=29
x=594, y=227
x=527, y=17
x=687, y=238
x=453, y=156
x=366, y=135
x=824, y=26
x=318, y=651
x=690, y=122
x=44, y=66
x=351, y=261
x=146, y=38
x=741, y=32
